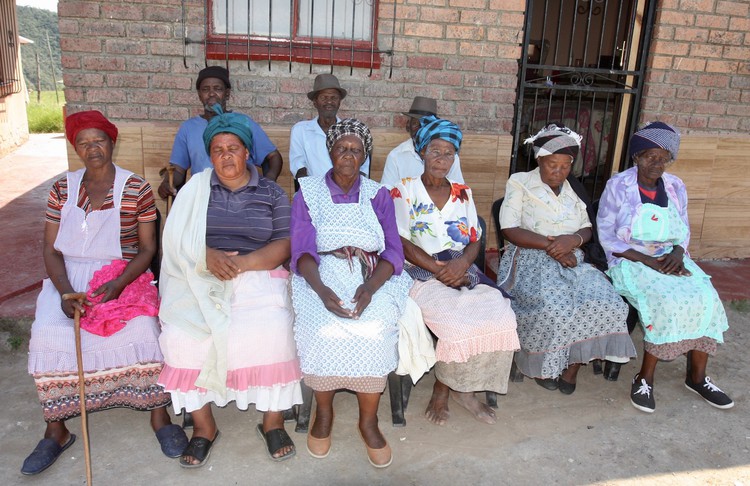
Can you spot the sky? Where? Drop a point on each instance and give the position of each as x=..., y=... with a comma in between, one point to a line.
x=45, y=4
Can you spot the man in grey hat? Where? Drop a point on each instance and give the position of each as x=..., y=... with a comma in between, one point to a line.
x=404, y=161
x=188, y=150
x=308, y=155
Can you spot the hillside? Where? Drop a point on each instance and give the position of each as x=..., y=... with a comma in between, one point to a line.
x=34, y=24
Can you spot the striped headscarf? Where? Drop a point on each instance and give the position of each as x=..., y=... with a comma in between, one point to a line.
x=554, y=139
x=655, y=135
x=350, y=126
x=233, y=123
x=432, y=127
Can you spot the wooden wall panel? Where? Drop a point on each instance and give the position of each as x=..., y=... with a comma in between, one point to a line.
x=695, y=164
x=731, y=177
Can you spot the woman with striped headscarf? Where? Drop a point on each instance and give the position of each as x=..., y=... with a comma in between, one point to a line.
x=474, y=323
x=348, y=288
x=568, y=313
x=644, y=229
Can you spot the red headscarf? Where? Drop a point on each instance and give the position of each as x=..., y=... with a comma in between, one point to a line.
x=88, y=119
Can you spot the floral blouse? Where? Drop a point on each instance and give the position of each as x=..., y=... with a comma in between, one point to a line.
x=432, y=229
x=530, y=204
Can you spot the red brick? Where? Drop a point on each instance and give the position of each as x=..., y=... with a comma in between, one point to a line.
x=88, y=10
x=83, y=80
x=660, y=90
x=382, y=90
x=149, y=65
x=661, y=62
x=150, y=31
x=443, y=78
x=100, y=28
x=123, y=46
x=402, y=11
x=436, y=14
x=722, y=66
x=511, y=19
x=688, y=64
x=723, y=122
x=502, y=97
x=508, y=51
x=163, y=14
x=741, y=53
x=738, y=9
x=697, y=121
x=167, y=113
x=433, y=3
x=127, y=80
x=148, y=97
x=706, y=50
x=410, y=91
x=726, y=95
x=68, y=26
x=664, y=32
x=122, y=11
x=712, y=21
x=161, y=81
x=183, y=97
x=697, y=5
x=437, y=47
x=675, y=18
x=502, y=34
x=713, y=80
x=73, y=95
x=676, y=77
x=691, y=93
x=73, y=44
x=743, y=68
x=468, y=3
x=672, y=48
x=508, y=5
x=105, y=96
x=462, y=94
x=71, y=61
x=691, y=34
x=475, y=109
x=463, y=64
x=423, y=29
x=403, y=44
x=678, y=106
x=464, y=32
x=737, y=109
x=166, y=48
x=127, y=112
x=479, y=17
x=739, y=82
x=507, y=81
x=654, y=76
x=502, y=66
x=724, y=37
x=108, y=63
x=478, y=49
x=709, y=108
x=481, y=80
x=669, y=4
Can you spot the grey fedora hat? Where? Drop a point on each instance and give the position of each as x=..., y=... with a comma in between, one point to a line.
x=326, y=81
x=422, y=106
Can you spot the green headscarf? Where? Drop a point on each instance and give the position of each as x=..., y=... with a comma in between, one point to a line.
x=233, y=123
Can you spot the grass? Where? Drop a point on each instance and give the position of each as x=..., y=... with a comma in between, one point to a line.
x=45, y=116
x=742, y=306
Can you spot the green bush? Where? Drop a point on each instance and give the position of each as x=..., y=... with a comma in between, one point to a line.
x=45, y=116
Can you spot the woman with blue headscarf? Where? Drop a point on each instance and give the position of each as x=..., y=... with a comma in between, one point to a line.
x=474, y=323
x=644, y=229
x=226, y=314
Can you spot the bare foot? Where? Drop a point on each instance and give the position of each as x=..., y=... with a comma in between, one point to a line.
x=323, y=423
x=437, y=410
x=481, y=411
x=372, y=435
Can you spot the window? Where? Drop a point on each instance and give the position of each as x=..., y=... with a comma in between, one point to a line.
x=10, y=76
x=336, y=32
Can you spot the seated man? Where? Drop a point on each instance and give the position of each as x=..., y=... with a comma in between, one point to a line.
x=188, y=151
x=308, y=155
x=404, y=161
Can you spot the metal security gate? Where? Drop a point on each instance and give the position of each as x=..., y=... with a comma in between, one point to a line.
x=583, y=64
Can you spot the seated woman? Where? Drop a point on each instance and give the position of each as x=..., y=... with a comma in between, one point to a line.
x=97, y=217
x=644, y=229
x=568, y=313
x=348, y=289
x=226, y=313
x=475, y=325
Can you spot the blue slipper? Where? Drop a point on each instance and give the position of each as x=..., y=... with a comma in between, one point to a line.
x=44, y=455
x=172, y=440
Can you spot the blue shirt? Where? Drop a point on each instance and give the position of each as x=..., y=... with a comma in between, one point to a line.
x=189, y=151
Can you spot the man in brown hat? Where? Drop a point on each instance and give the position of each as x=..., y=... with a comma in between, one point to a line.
x=189, y=152
x=404, y=161
x=308, y=155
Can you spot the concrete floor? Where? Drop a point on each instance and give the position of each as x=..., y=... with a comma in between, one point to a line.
x=591, y=437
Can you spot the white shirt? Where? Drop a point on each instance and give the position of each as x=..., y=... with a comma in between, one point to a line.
x=307, y=148
x=403, y=162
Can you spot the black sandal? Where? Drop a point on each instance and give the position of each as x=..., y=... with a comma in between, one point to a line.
x=276, y=439
x=198, y=448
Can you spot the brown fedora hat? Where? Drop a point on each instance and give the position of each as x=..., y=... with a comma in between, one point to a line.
x=422, y=106
x=326, y=81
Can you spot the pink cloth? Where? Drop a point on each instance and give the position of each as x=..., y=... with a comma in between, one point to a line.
x=139, y=298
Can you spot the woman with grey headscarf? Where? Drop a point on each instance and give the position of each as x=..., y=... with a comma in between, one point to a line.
x=644, y=229
x=348, y=288
x=568, y=313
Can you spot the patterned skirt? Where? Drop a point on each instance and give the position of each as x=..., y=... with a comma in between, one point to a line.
x=565, y=315
x=121, y=370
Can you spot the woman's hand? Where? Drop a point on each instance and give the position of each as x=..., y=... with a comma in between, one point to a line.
x=221, y=264
x=453, y=272
x=562, y=245
x=568, y=260
x=672, y=263
x=334, y=304
x=362, y=297
x=69, y=307
x=110, y=290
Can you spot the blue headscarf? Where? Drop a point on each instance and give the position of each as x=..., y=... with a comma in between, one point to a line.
x=655, y=135
x=233, y=123
x=432, y=127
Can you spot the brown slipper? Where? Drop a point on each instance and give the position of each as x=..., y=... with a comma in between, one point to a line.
x=318, y=448
x=379, y=458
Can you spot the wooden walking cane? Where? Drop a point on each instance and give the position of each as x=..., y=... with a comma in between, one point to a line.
x=80, y=297
x=170, y=173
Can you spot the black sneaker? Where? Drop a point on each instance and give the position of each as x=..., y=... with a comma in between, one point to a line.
x=642, y=395
x=710, y=393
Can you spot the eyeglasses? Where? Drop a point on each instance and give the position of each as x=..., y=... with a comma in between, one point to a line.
x=436, y=154
x=654, y=159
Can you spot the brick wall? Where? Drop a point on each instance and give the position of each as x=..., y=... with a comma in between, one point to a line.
x=699, y=76
x=126, y=61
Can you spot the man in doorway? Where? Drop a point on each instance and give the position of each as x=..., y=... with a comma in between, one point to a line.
x=404, y=161
x=189, y=152
x=308, y=155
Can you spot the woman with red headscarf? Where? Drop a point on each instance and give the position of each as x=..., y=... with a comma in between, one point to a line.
x=99, y=238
